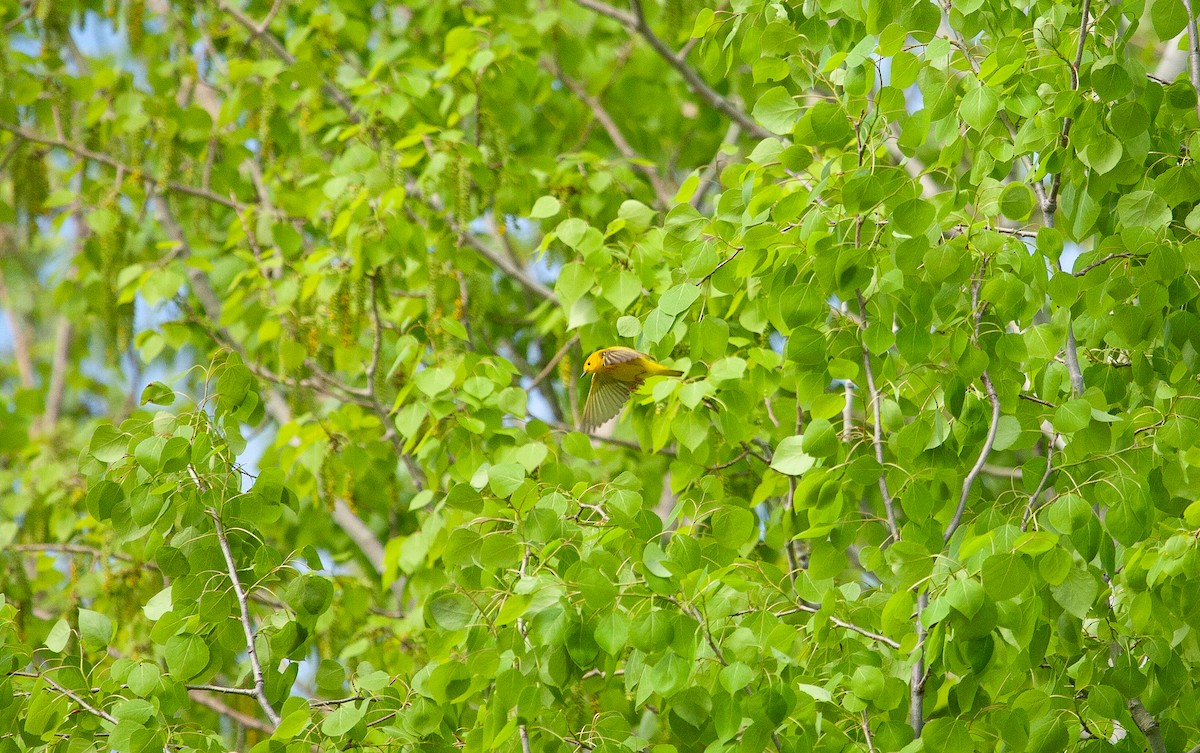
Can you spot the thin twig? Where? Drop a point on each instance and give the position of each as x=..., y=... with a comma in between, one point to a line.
x=1050, y=202
x=282, y=53
x=1101, y=262
x=1031, y=507
x=984, y=451
x=376, y=336
x=78, y=699
x=19, y=336
x=226, y=690
x=635, y=22
x=116, y=164
x=814, y=609
x=247, y=627
x=865, y=722
x=524, y=738
x=994, y=399
x=877, y=432
x=711, y=177
x=664, y=195
x=499, y=260
x=545, y=372
x=13, y=24
x=227, y=711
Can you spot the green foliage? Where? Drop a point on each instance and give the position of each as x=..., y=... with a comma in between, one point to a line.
x=298, y=294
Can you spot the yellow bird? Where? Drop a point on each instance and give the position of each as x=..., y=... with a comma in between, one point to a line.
x=616, y=373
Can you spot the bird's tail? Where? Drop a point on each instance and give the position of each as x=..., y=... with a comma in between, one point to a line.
x=669, y=372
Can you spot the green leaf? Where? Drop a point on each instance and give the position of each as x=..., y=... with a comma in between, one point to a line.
x=95, y=630
x=187, y=655
x=1005, y=575
x=505, y=478
x=979, y=107
x=947, y=735
x=59, y=635
x=143, y=678
x=1072, y=416
x=344, y=718
x=1016, y=202
x=451, y=611
x=1143, y=209
x=777, y=111
x=107, y=444
x=678, y=299
x=734, y=526
x=545, y=207
x=158, y=394
x=1077, y=592
x=790, y=458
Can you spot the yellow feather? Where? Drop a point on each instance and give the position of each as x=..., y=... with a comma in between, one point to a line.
x=616, y=373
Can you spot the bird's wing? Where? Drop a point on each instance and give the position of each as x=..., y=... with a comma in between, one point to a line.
x=619, y=354
x=605, y=400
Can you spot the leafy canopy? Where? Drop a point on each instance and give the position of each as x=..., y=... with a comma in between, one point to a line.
x=296, y=297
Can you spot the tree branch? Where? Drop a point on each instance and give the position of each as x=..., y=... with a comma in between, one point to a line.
x=1101, y=262
x=1193, y=50
x=1031, y=507
x=1146, y=722
x=20, y=338
x=814, y=609
x=916, y=686
x=259, y=31
x=260, y=692
x=635, y=23
x=79, y=700
x=545, y=372
x=994, y=399
x=1050, y=201
x=664, y=195
x=227, y=711
x=877, y=432
x=710, y=178
x=116, y=164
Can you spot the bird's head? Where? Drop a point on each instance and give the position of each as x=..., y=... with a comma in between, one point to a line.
x=594, y=362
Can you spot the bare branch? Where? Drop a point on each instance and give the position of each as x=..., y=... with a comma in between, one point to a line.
x=635, y=23
x=259, y=31
x=524, y=738
x=711, y=177
x=1144, y=720
x=1193, y=50
x=984, y=451
x=1072, y=359
x=814, y=609
x=545, y=372
x=1031, y=507
x=20, y=338
x=1101, y=262
x=916, y=686
x=499, y=260
x=247, y=627
x=664, y=195
x=243, y=719
x=79, y=700
x=994, y=399
x=877, y=434
x=104, y=159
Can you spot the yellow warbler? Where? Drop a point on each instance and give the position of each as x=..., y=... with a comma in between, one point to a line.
x=616, y=373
